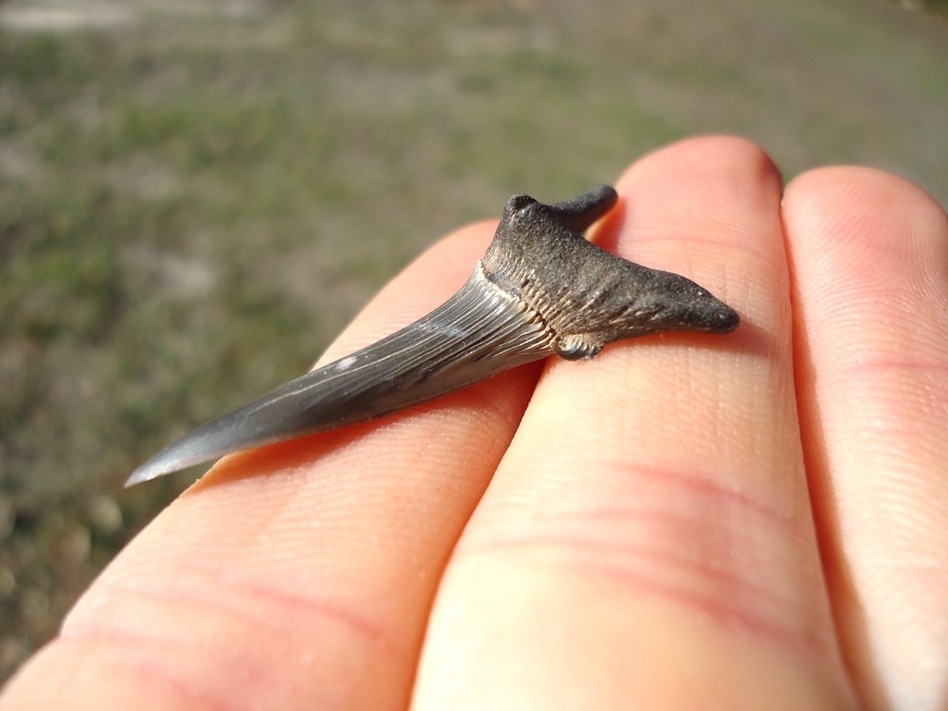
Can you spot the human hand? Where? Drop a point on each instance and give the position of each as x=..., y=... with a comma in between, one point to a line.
x=752, y=521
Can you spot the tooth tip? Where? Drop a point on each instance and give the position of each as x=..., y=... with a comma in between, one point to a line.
x=167, y=461
x=142, y=474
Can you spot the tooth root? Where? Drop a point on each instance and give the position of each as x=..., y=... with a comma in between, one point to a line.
x=579, y=213
x=477, y=333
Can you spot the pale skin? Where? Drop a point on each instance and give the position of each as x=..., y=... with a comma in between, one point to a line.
x=757, y=520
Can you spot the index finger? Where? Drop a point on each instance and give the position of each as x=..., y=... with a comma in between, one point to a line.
x=299, y=575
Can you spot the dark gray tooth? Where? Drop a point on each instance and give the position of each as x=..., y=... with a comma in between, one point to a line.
x=542, y=288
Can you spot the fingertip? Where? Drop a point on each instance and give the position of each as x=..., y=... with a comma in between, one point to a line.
x=855, y=199
x=732, y=160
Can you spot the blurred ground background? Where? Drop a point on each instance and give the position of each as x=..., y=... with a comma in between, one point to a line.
x=196, y=195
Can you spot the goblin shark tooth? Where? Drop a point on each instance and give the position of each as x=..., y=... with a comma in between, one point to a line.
x=541, y=289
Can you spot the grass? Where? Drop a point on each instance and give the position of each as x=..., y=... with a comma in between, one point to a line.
x=191, y=205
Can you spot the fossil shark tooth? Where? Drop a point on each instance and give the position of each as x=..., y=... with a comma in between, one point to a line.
x=541, y=289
